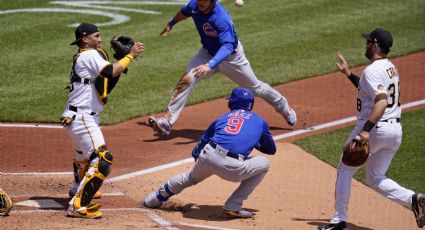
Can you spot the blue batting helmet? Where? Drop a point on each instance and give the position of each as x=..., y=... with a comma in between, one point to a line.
x=213, y=1
x=241, y=98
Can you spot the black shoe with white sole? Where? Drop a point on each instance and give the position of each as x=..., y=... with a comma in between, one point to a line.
x=336, y=226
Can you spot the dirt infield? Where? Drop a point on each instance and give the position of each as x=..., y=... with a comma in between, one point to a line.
x=297, y=193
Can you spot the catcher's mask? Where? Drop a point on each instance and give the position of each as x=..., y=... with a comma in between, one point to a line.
x=241, y=98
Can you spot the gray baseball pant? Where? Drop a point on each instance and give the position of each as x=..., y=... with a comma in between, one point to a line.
x=237, y=68
x=249, y=172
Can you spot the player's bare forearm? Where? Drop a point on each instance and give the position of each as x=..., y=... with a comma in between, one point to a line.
x=379, y=108
x=377, y=112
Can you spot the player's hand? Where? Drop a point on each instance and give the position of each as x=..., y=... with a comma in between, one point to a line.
x=66, y=121
x=166, y=31
x=137, y=49
x=342, y=66
x=201, y=70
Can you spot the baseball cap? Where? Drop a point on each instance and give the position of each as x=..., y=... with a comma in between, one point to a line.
x=380, y=36
x=84, y=29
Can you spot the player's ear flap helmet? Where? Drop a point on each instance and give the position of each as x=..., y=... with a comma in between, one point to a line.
x=241, y=98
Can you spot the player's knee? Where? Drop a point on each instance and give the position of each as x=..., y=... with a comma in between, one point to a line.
x=263, y=163
x=186, y=81
x=257, y=90
x=373, y=180
x=105, y=160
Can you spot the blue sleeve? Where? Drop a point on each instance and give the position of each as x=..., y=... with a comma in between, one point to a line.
x=206, y=137
x=224, y=51
x=226, y=38
x=187, y=10
x=266, y=143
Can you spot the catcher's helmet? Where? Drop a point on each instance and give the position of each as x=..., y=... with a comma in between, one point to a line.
x=241, y=98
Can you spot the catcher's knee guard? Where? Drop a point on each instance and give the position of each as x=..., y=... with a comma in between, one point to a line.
x=94, y=177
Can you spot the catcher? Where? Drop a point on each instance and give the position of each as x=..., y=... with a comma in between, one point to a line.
x=92, y=78
x=5, y=203
x=377, y=136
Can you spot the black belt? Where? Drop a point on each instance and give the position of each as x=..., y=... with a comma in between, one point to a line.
x=229, y=154
x=84, y=81
x=388, y=120
x=75, y=109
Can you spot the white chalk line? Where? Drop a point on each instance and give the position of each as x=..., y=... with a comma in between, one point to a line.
x=63, y=195
x=164, y=223
x=36, y=173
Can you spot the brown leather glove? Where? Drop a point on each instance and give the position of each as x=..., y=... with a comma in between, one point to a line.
x=356, y=152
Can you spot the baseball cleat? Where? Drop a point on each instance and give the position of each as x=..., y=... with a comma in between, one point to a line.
x=418, y=208
x=291, y=117
x=238, y=214
x=97, y=195
x=152, y=201
x=335, y=226
x=160, y=125
x=90, y=212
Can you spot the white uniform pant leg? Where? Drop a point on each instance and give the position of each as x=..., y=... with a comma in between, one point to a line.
x=86, y=137
x=384, y=143
x=238, y=69
x=343, y=184
x=184, y=86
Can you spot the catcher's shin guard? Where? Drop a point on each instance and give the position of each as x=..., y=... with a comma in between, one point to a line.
x=94, y=177
x=80, y=169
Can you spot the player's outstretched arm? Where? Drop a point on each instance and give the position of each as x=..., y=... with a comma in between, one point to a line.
x=174, y=20
x=342, y=65
x=343, y=68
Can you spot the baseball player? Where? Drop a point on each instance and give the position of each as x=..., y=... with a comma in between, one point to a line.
x=92, y=77
x=221, y=52
x=378, y=103
x=224, y=150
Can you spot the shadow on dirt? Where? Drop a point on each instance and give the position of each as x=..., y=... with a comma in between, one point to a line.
x=202, y=212
x=322, y=222
x=192, y=134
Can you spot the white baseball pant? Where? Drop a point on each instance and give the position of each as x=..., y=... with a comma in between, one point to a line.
x=384, y=140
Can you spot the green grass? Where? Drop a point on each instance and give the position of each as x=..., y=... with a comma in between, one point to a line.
x=406, y=167
x=284, y=41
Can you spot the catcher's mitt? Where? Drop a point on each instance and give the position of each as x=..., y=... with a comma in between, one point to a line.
x=5, y=203
x=356, y=152
x=121, y=45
